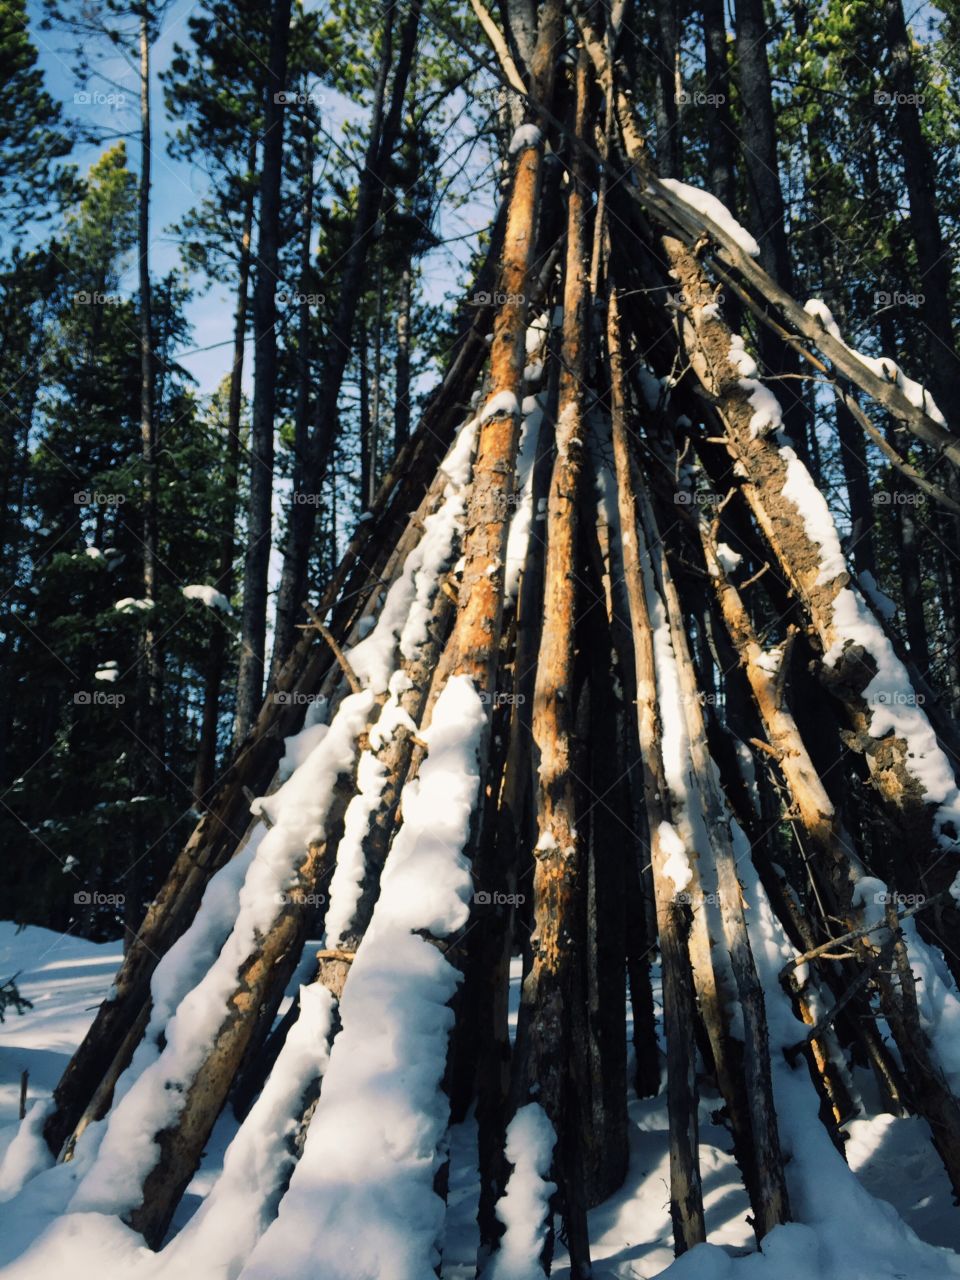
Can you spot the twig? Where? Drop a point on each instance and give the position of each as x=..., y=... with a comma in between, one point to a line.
x=341, y=657
x=759, y=574
x=855, y=987
x=817, y=952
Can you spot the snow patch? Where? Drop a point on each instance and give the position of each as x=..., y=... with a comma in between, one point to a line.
x=527, y=135
x=524, y=1207
x=209, y=596
x=717, y=212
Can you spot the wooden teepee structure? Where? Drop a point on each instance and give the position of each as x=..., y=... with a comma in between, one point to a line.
x=596, y=571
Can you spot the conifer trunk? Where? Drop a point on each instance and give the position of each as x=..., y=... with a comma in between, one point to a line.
x=207, y=747
x=260, y=509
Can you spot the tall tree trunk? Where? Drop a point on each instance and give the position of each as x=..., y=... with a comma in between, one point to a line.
x=384, y=131
x=153, y=671
x=150, y=674
x=765, y=198
x=257, y=557
x=401, y=409
x=363, y=346
x=721, y=139
x=376, y=399
x=933, y=256
x=853, y=458
x=934, y=262
x=220, y=639
x=669, y=87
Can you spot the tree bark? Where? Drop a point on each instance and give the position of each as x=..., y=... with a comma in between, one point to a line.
x=260, y=509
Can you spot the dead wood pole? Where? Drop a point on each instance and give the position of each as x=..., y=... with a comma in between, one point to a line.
x=393, y=754
x=686, y=1195
x=514, y=831
x=765, y=1176
x=609, y=843
x=551, y=1007
x=640, y=939
x=811, y=806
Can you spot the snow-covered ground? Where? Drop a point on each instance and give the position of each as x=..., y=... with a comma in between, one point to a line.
x=66, y=977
